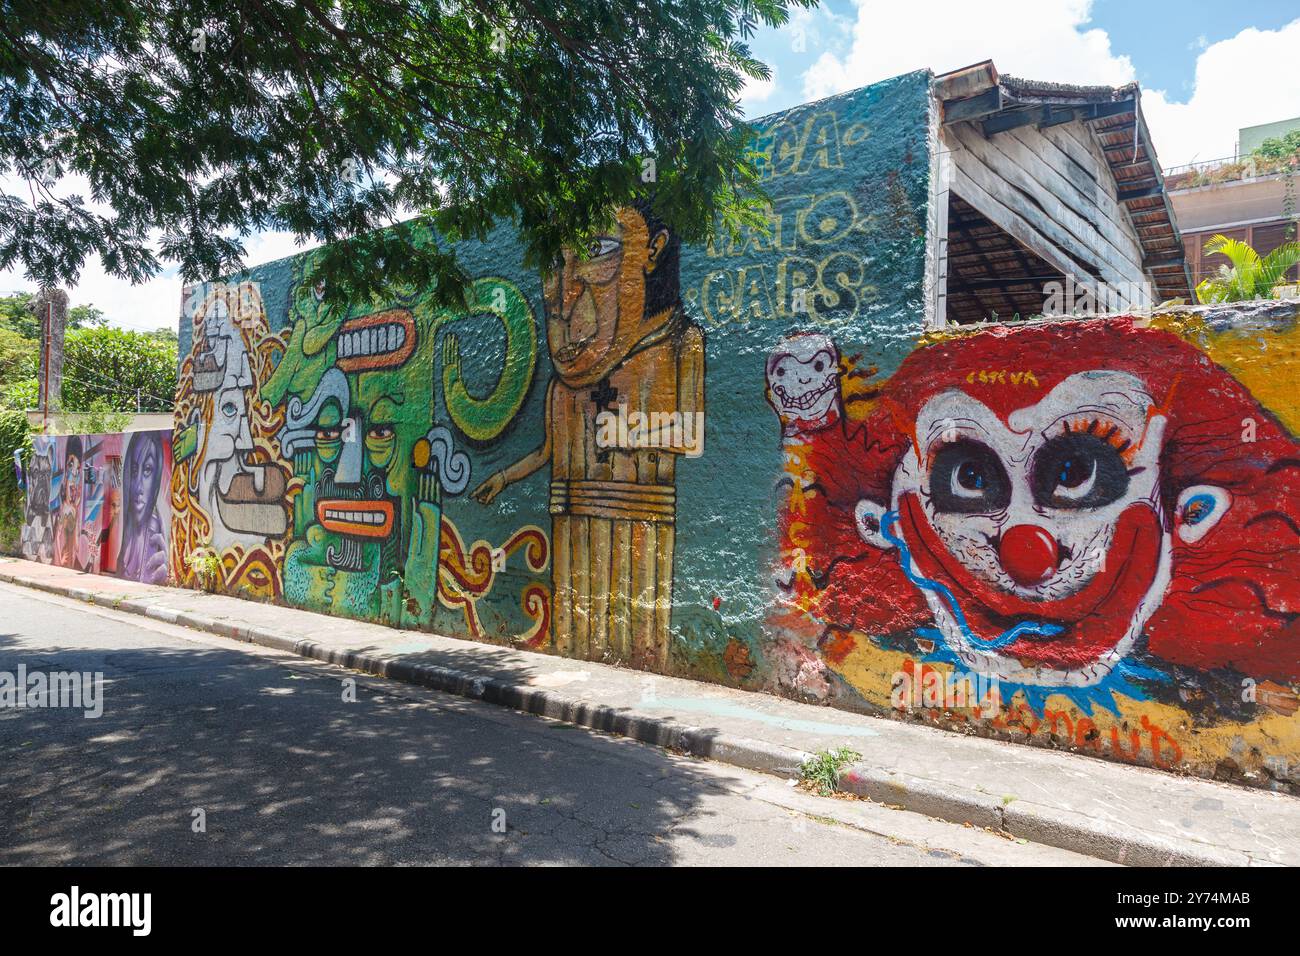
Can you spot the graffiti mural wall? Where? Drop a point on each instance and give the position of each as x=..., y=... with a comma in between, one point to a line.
x=99, y=504
x=1082, y=533
x=747, y=463
x=534, y=469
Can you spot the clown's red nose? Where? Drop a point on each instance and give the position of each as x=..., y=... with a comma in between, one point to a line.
x=1028, y=553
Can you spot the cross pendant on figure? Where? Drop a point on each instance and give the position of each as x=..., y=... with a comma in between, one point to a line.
x=602, y=396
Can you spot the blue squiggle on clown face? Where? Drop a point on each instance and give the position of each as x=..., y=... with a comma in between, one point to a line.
x=1008, y=636
x=1100, y=694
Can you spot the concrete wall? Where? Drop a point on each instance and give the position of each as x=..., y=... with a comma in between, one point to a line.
x=1080, y=534
x=749, y=464
x=68, y=421
x=100, y=503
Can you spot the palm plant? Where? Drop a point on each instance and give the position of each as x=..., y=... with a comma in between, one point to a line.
x=1250, y=276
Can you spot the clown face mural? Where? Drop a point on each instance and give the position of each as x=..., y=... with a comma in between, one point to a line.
x=1068, y=509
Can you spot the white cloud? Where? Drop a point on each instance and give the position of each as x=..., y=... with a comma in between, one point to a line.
x=1039, y=39
x=757, y=92
x=1241, y=81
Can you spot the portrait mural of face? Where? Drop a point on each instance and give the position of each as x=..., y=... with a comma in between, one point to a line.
x=1091, y=510
x=376, y=437
x=146, y=479
x=624, y=352
x=599, y=308
x=230, y=486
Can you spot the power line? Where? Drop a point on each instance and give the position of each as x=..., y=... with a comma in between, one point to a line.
x=117, y=386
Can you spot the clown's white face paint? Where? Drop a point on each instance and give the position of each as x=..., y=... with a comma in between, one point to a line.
x=1030, y=507
x=803, y=378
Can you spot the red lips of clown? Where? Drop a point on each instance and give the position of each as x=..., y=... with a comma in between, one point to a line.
x=1093, y=619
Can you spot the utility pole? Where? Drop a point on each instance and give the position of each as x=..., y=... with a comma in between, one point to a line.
x=52, y=306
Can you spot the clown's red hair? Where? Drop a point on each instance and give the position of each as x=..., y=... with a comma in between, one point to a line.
x=1234, y=597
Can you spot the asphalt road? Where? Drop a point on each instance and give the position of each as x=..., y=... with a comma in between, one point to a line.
x=286, y=771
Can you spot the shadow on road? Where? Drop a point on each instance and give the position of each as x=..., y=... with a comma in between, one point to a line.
x=285, y=771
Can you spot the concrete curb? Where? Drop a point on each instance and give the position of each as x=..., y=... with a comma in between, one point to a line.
x=1107, y=840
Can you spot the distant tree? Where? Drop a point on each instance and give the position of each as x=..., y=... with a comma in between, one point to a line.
x=205, y=120
x=17, y=356
x=1279, y=147
x=86, y=316
x=16, y=314
x=115, y=366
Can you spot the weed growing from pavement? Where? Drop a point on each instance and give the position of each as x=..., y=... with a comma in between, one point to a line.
x=821, y=771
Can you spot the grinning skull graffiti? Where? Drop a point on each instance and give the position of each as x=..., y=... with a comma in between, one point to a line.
x=1051, y=505
x=803, y=382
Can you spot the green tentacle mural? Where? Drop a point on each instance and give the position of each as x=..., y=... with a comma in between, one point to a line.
x=482, y=419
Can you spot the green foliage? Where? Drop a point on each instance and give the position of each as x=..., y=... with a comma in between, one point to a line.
x=110, y=364
x=17, y=356
x=206, y=566
x=99, y=417
x=1249, y=276
x=102, y=367
x=20, y=393
x=86, y=317
x=204, y=120
x=1279, y=147
x=16, y=315
x=14, y=434
x=821, y=771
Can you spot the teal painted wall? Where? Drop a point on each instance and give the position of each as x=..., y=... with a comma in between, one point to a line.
x=848, y=177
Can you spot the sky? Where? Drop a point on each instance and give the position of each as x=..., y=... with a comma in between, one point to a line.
x=1206, y=69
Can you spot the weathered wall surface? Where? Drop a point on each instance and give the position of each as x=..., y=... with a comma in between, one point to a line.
x=747, y=464
x=489, y=474
x=1082, y=534
x=100, y=503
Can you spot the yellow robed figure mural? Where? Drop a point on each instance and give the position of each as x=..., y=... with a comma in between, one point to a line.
x=623, y=352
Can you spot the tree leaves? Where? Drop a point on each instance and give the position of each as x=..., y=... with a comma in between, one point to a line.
x=199, y=122
x=1249, y=276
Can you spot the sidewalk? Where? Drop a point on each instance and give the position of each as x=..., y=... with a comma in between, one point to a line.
x=1124, y=814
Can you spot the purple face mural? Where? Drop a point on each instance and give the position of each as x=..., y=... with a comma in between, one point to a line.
x=143, y=552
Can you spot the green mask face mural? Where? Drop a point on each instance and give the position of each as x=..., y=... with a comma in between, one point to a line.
x=364, y=428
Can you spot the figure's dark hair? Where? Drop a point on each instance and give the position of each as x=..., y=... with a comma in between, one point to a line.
x=139, y=444
x=663, y=286
x=72, y=449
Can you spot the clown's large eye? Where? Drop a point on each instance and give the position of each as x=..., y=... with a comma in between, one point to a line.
x=968, y=478
x=1078, y=470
